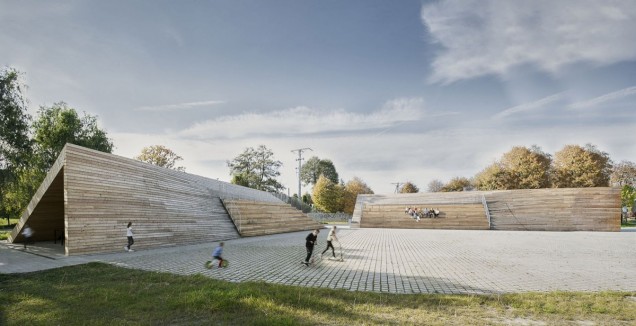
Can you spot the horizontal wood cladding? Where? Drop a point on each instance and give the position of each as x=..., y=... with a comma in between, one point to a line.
x=575, y=209
x=253, y=218
x=104, y=192
x=459, y=216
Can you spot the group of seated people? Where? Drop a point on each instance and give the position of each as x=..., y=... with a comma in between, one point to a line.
x=417, y=213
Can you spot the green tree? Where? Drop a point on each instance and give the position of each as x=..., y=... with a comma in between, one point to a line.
x=16, y=147
x=161, y=156
x=256, y=168
x=409, y=188
x=352, y=189
x=577, y=167
x=457, y=184
x=328, y=195
x=435, y=186
x=628, y=195
x=60, y=124
x=314, y=168
x=493, y=177
x=623, y=173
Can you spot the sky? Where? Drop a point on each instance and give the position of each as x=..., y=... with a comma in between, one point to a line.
x=388, y=91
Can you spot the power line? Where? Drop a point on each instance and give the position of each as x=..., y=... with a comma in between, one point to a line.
x=397, y=186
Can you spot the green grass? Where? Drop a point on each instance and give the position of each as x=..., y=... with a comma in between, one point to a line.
x=101, y=294
x=5, y=229
x=629, y=223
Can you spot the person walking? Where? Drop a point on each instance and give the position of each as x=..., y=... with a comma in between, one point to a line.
x=27, y=233
x=331, y=237
x=310, y=241
x=129, y=235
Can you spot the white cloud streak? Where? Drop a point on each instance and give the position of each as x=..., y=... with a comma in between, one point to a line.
x=529, y=107
x=181, y=106
x=613, y=96
x=482, y=37
x=305, y=120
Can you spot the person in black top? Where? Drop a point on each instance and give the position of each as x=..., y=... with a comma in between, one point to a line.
x=310, y=241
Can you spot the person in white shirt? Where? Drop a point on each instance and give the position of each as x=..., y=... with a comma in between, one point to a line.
x=331, y=237
x=27, y=233
x=129, y=234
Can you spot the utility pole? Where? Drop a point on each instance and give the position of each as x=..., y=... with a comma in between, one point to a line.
x=300, y=160
x=397, y=186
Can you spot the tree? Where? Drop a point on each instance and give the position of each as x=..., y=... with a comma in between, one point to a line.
x=328, y=195
x=60, y=124
x=435, y=186
x=493, y=177
x=577, y=167
x=161, y=156
x=457, y=184
x=624, y=173
x=16, y=147
x=409, y=188
x=628, y=195
x=256, y=168
x=520, y=168
x=314, y=168
x=352, y=189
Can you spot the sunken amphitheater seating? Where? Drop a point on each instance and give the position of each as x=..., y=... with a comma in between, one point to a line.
x=253, y=218
x=88, y=197
x=555, y=209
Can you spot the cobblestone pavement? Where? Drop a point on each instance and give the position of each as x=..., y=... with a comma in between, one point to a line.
x=396, y=261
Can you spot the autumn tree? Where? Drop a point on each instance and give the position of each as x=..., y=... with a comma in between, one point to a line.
x=457, y=184
x=328, y=195
x=520, y=168
x=352, y=189
x=409, y=188
x=435, y=186
x=314, y=168
x=576, y=167
x=623, y=173
x=161, y=156
x=256, y=168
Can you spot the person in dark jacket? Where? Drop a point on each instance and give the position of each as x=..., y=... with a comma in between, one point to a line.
x=310, y=241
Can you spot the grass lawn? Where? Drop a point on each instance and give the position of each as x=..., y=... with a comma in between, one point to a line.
x=101, y=294
x=5, y=228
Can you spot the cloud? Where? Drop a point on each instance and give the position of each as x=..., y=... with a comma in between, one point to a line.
x=181, y=106
x=481, y=37
x=613, y=96
x=528, y=107
x=306, y=120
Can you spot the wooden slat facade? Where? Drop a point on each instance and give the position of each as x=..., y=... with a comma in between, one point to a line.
x=454, y=217
x=91, y=196
x=555, y=209
x=253, y=218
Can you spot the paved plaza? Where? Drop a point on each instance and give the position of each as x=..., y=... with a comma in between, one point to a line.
x=390, y=260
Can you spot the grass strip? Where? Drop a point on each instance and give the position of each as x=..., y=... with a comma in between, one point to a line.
x=102, y=294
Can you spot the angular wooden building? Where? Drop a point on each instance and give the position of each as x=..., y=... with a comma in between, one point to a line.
x=88, y=198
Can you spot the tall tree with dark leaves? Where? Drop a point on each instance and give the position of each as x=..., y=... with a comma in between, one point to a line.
x=314, y=168
x=256, y=168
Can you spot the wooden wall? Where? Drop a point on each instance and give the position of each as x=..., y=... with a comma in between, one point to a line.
x=575, y=209
x=100, y=193
x=457, y=217
x=555, y=209
x=254, y=218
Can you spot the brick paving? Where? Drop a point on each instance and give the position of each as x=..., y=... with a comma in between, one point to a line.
x=392, y=261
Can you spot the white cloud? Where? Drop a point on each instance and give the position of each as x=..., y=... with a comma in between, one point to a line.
x=529, y=107
x=181, y=106
x=613, y=96
x=481, y=37
x=305, y=120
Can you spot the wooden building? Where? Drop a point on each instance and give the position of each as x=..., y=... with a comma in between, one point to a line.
x=89, y=197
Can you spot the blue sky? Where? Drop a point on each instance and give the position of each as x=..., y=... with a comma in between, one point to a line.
x=390, y=92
